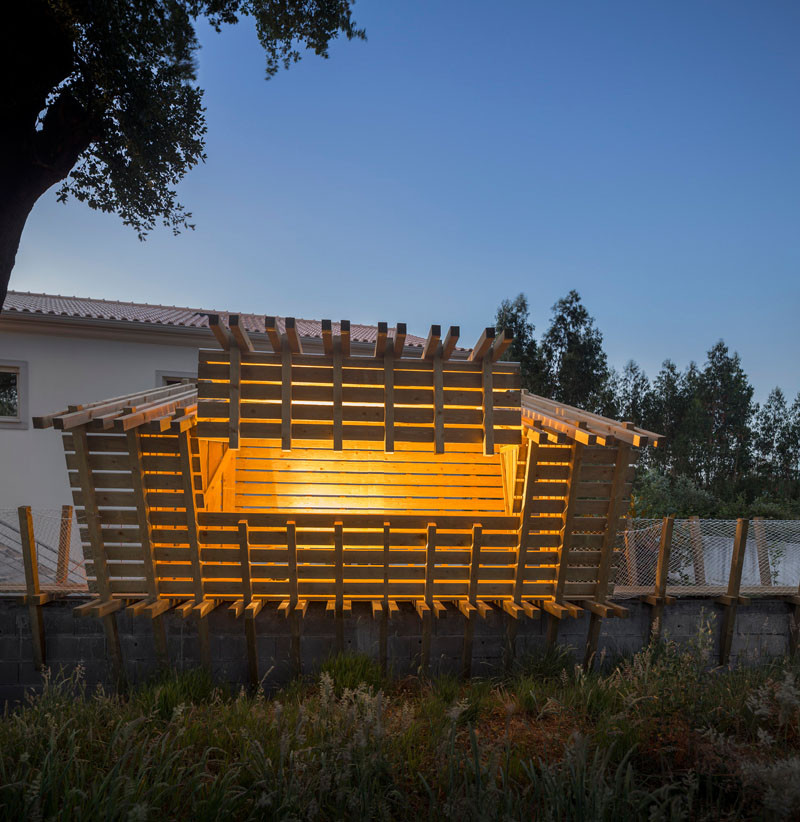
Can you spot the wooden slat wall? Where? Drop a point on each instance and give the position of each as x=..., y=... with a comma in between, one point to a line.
x=363, y=400
x=307, y=479
x=110, y=464
x=363, y=489
x=363, y=558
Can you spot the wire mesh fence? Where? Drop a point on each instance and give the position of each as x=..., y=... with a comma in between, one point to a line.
x=59, y=552
x=700, y=557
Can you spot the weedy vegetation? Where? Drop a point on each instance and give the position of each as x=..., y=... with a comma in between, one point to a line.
x=658, y=736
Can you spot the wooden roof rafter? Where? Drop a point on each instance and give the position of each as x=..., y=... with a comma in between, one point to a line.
x=582, y=426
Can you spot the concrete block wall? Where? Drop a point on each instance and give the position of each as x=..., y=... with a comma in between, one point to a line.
x=762, y=631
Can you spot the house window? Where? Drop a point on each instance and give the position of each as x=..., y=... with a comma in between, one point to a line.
x=13, y=394
x=9, y=394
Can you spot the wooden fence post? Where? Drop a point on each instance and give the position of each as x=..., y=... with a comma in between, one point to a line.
x=732, y=600
x=659, y=599
x=64, y=541
x=247, y=597
x=30, y=562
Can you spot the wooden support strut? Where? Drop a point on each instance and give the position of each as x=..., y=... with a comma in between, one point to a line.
x=424, y=608
x=607, y=549
x=234, y=396
x=294, y=620
x=286, y=395
x=196, y=608
x=488, y=407
x=98, y=554
x=338, y=577
x=64, y=543
x=576, y=460
x=438, y=401
x=146, y=531
x=30, y=562
x=470, y=611
x=247, y=598
x=388, y=397
x=662, y=570
x=731, y=600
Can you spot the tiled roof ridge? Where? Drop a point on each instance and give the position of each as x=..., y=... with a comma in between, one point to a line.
x=200, y=314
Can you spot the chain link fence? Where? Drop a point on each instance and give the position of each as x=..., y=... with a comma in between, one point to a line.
x=59, y=552
x=700, y=557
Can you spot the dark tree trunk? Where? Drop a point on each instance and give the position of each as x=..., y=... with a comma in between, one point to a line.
x=36, y=55
x=20, y=188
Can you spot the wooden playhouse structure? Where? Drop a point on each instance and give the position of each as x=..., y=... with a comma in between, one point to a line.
x=284, y=478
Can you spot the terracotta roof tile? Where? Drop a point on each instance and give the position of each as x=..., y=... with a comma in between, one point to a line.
x=87, y=308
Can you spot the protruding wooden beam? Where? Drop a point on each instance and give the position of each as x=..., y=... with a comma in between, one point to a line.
x=501, y=343
x=344, y=334
x=203, y=608
x=380, y=340
x=293, y=338
x=450, y=340
x=483, y=345
x=271, y=326
x=219, y=331
x=327, y=337
x=432, y=343
x=399, y=340
x=240, y=334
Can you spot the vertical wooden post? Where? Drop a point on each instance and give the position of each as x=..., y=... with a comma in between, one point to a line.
x=488, y=405
x=203, y=636
x=762, y=551
x=97, y=545
x=337, y=393
x=286, y=395
x=469, y=627
x=388, y=398
x=30, y=562
x=64, y=544
x=294, y=617
x=731, y=599
x=338, y=584
x=145, y=534
x=247, y=596
x=438, y=402
x=606, y=552
x=631, y=559
x=662, y=569
x=576, y=460
x=383, y=641
x=430, y=564
x=234, y=395
x=698, y=554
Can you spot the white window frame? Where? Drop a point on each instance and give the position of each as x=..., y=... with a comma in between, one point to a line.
x=21, y=421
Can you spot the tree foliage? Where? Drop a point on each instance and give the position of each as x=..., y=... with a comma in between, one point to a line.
x=104, y=98
x=724, y=455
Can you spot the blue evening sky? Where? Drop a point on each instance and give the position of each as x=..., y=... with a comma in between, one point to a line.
x=645, y=153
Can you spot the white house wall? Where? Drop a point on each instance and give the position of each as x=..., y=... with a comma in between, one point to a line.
x=68, y=369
